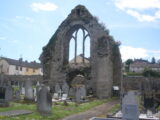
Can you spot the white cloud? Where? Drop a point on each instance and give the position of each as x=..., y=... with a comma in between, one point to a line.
x=137, y=8
x=43, y=7
x=137, y=4
x=141, y=17
x=132, y=52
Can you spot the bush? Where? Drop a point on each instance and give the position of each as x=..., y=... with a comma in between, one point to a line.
x=133, y=74
x=151, y=73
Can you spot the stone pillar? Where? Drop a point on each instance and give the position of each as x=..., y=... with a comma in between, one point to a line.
x=44, y=101
x=104, y=80
x=28, y=90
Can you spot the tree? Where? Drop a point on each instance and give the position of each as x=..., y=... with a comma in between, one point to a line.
x=153, y=61
x=150, y=73
x=128, y=62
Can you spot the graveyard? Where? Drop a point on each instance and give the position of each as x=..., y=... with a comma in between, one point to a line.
x=92, y=88
x=59, y=110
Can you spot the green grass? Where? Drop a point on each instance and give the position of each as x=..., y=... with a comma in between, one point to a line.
x=114, y=109
x=134, y=74
x=58, y=111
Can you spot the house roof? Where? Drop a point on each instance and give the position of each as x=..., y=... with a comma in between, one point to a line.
x=22, y=63
x=145, y=65
x=79, y=59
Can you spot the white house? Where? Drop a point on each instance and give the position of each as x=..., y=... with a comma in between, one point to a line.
x=139, y=66
x=19, y=67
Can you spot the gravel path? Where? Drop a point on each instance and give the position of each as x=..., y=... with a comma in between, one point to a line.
x=96, y=111
x=15, y=112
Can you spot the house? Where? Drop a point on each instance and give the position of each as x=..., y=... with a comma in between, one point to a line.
x=79, y=60
x=139, y=65
x=19, y=67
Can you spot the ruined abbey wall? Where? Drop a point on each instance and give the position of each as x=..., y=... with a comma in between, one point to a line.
x=105, y=59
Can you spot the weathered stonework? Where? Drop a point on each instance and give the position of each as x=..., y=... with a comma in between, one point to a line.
x=44, y=100
x=105, y=59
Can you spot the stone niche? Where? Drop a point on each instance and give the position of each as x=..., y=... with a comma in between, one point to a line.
x=104, y=69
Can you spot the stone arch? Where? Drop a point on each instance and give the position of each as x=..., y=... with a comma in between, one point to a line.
x=105, y=59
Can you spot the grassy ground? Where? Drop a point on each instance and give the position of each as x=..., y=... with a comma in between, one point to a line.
x=114, y=109
x=58, y=111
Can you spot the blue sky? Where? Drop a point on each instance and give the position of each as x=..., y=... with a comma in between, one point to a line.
x=27, y=25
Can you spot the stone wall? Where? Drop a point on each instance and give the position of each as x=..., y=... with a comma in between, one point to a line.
x=138, y=82
x=20, y=78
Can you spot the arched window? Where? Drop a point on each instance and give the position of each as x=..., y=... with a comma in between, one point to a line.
x=71, y=49
x=87, y=48
x=79, y=47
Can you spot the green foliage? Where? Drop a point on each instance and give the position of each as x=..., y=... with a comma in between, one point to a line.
x=158, y=108
x=128, y=62
x=133, y=74
x=153, y=61
x=151, y=73
x=59, y=110
x=16, y=88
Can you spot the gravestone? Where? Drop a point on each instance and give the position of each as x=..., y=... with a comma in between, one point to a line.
x=28, y=90
x=57, y=88
x=9, y=93
x=55, y=96
x=34, y=92
x=130, y=106
x=38, y=84
x=3, y=99
x=38, y=88
x=83, y=92
x=80, y=94
x=72, y=93
x=22, y=90
x=65, y=88
x=64, y=97
x=18, y=95
x=44, y=101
